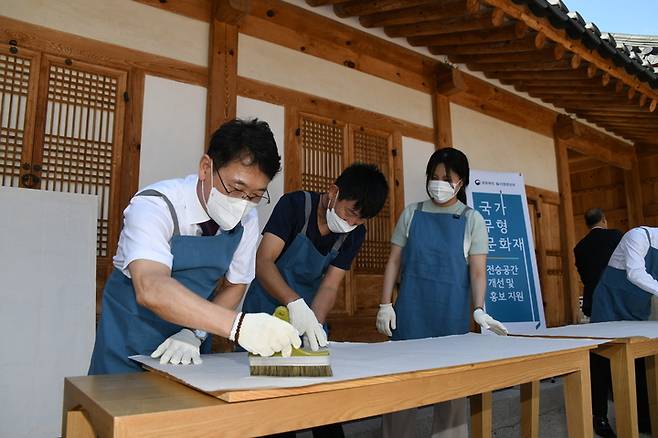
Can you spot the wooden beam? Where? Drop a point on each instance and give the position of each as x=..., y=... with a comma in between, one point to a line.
x=231, y=11
x=449, y=80
x=309, y=33
x=633, y=188
x=528, y=43
x=68, y=45
x=355, y=8
x=486, y=98
x=589, y=141
x=317, y=105
x=223, y=73
x=520, y=12
x=543, y=66
x=479, y=21
x=567, y=227
x=541, y=55
x=444, y=9
x=504, y=33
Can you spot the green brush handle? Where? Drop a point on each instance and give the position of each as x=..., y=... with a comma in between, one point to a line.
x=281, y=312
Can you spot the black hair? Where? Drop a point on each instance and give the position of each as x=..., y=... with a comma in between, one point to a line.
x=455, y=161
x=593, y=216
x=250, y=141
x=365, y=184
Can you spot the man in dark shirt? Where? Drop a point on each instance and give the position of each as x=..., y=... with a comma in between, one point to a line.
x=592, y=254
x=308, y=245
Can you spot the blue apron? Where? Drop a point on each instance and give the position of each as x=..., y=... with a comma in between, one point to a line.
x=617, y=299
x=434, y=296
x=127, y=329
x=302, y=267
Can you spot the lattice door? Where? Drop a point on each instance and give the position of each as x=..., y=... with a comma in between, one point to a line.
x=375, y=148
x=323, y=151
x=19, y=71
x=79, y=135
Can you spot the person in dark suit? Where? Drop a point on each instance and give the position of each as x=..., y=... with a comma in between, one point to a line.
x=592, y=254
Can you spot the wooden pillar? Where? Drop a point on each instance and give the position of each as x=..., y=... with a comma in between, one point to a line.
x=633, y=186
x=442, y=121
x=223, y=62
x=567, y=228
x=448, y=81
x=132, y=139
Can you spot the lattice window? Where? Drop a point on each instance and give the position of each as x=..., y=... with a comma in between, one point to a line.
x=78, y=143
x=374, y=148
x=14, y=89
x=322, y=145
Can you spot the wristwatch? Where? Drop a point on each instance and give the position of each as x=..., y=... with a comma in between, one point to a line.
x=200, y=335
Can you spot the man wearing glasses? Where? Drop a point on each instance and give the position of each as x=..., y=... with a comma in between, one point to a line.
x=180, y=238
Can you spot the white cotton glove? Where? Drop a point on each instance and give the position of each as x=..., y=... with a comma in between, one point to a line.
x=304, y=320
x=264, y=334
x=181, y=348
x=488, y=323
x=386, y=319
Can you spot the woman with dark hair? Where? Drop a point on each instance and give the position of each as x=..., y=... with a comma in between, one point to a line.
x=439, y=249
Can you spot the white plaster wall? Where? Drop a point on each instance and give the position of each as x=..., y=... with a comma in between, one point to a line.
x=267, y=62
x=173, y=130
x=274, y=116
x=48, y=296
x=121, y=22
x=415, y=154
x=491, y=144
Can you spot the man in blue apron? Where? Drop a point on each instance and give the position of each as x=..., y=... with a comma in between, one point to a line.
x=308, y=244
x=625, y=291
x=181, y=237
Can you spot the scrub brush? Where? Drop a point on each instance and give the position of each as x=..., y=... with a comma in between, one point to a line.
x=301, y=363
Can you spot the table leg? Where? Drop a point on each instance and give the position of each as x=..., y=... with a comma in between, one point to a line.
x=578, y=402
x=78, y=425
x=622, y=366
x=530, y=410
x=481, y=415
x=652, y=387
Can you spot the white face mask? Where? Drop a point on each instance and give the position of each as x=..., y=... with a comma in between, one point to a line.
x=225, y=210
x=441, y=191
x=336, y=223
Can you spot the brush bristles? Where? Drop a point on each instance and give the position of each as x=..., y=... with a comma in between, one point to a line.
x=291, y=371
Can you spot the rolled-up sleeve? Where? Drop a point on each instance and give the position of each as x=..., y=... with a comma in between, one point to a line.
x=637, y=247
x=146, y=234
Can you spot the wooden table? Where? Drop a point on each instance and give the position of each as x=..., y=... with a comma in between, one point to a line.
x=622, y=352
x=147, y=404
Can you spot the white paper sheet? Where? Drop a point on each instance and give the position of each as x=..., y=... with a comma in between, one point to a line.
x=611, y=330
x=230, y=371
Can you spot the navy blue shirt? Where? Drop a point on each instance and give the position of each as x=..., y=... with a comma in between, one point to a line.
x=287, y=221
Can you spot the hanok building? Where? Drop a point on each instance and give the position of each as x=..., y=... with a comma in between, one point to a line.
x=104, y=97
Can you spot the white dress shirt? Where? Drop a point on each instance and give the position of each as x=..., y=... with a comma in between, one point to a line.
x=148, y=228
x=629, y=256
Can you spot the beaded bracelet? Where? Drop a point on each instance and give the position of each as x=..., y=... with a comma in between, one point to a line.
x=237, y=330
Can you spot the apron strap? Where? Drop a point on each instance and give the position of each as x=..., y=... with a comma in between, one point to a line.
x=466, y=210
x=419, y=206
x=307, y=211
x=172, y=210
x=339, y=242
x=648, y=235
